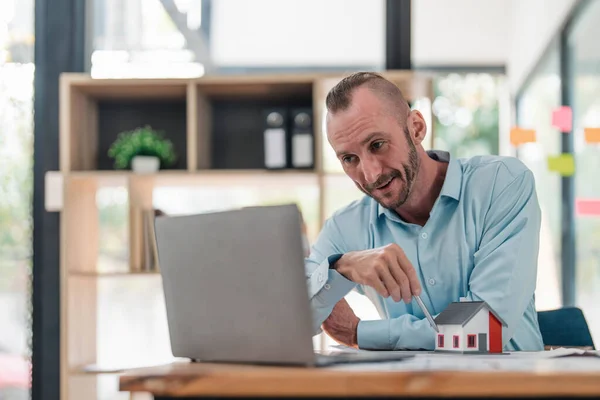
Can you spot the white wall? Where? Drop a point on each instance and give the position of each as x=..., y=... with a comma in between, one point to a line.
x=482, y=33
x=460, y=32
x=352, y=32
x=534, y=24
x=298, y=32
x=478, y=324
x=449, y=331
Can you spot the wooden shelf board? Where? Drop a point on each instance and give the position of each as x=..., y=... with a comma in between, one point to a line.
x=143, y=89
x=102, y=178
x=416, y=84
x=237, y=178
x=100, y=274
x=205, y=177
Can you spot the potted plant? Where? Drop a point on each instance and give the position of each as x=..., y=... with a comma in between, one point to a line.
x=144, y=150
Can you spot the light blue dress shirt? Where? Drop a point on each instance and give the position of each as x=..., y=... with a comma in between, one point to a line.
x=480, y=242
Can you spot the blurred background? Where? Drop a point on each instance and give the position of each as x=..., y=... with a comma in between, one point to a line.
x=496, y=65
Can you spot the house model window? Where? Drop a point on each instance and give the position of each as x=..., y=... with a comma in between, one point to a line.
x=473, y=326
x=471, y=341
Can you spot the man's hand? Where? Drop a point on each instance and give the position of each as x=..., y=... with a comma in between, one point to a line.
x=386, y=269
x=342, y=324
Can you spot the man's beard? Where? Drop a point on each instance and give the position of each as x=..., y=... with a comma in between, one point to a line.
x=408, y=178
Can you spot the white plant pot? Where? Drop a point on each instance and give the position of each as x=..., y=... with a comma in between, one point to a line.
x=145, y=164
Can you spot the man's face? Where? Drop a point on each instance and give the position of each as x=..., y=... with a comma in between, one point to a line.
x=374, y=148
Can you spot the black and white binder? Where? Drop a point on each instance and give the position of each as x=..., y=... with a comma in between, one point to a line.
x=302, y=138
x=275, y=138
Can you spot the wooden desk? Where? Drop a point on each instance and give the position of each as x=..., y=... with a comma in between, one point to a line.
x=205, y=380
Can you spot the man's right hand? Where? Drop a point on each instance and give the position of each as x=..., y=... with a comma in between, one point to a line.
x=386, y=269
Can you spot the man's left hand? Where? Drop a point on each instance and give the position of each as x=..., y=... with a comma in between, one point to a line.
x=342, y=324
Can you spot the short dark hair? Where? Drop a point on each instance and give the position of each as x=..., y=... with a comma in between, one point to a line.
x=339, y=97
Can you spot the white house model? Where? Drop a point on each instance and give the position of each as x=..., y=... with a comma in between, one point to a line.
x=469, y=327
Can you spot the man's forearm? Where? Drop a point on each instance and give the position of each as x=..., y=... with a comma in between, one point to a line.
x=326, y=288
x=405, y=332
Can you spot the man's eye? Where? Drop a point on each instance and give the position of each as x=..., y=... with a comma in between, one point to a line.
x=377, y=145
x=348, y=159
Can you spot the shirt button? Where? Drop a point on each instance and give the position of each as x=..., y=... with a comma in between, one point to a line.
x=431, y=281
x=327, y=286
x=424, y=235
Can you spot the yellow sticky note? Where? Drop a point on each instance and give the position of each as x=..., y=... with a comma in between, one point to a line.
x=592, y=135
x=564, y=164
x=519, y=136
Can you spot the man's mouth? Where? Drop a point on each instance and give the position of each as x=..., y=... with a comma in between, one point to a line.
x=385, y=185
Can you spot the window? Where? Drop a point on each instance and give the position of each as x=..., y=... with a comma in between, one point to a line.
x=455, y=341
x=535, y=105
x=159, y=38
x=471, y=341
x=440, y=340
x=16, y=177
x=584, y=57
x=466, y=113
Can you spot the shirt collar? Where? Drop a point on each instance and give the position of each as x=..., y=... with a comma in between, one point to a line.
x=452, y=183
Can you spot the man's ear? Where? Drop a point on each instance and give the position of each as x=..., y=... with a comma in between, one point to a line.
x=417, y=126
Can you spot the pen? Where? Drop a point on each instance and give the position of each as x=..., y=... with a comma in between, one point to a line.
x=426, y=312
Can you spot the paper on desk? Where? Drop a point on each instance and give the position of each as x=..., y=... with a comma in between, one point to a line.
x=556, y=360
x=468, y=364
x=565, y=352
x=563, y=360
x=553, y=353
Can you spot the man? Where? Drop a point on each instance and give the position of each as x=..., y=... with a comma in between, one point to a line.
x=429, y=225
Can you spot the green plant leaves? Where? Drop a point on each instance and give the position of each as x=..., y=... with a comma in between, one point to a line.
x=143, y=141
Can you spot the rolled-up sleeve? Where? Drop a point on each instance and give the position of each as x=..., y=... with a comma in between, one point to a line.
x=505, y=264
x=404, y=332
x=325, y=286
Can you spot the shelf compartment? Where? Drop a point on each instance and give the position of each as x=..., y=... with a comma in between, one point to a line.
x=94, y=111
x=231, y=116
x=165, y=115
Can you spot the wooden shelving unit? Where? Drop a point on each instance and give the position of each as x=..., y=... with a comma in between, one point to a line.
x=195, y=113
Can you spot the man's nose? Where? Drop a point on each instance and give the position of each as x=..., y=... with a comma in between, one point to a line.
x=372, y=170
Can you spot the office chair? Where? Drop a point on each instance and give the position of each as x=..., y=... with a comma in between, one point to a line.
x=565, y=327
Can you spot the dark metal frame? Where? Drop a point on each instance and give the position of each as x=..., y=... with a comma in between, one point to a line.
x=59, y=47
x=397, y=34
x=568, y=235
x=568, y=231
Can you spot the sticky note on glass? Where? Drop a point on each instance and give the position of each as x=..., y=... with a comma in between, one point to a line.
x=562, y=118
x=519, y=136
x=587, y=207
x=592, y=135
x=564, y=164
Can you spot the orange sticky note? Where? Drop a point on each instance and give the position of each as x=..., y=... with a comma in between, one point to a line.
x=592, y=135
x=519, y=136
x=562, y=118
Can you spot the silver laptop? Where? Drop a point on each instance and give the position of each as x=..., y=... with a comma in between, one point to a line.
x=235, y=289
